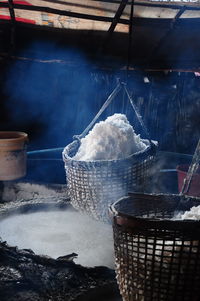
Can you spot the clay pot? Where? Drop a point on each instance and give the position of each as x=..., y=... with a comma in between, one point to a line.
x=12, y=155
x=194, y=189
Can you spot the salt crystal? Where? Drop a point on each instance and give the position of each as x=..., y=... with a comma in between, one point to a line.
x=193, y=213
x=111, y=139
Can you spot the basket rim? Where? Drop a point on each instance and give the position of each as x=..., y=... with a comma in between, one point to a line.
x=146, y=150
x=130, y=220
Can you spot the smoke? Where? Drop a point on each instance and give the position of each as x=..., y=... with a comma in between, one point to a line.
x=57, y=233
x=54, y=101
x=51, y=101
x=162, y=178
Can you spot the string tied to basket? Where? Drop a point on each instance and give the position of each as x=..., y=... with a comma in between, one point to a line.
x=120, y=85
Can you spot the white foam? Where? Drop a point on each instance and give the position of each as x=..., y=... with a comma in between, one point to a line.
x=111, y=139
x=58, y=233
x=193, y=213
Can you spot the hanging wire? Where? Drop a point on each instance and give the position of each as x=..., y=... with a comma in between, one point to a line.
x=139, y=117
x=104, y=106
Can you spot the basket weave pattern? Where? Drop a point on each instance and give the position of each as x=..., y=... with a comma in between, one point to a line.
x=93, y=186
x=157, y=261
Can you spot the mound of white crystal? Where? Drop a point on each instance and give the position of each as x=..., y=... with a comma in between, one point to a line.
x=193, y=213
x=111, y=139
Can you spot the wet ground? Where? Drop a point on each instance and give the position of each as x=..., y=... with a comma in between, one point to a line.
x=25, y=275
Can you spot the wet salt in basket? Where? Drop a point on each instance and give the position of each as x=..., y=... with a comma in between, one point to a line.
x=156, y=258
x=94, y=185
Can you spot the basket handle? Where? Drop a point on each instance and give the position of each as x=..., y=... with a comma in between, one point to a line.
x=139, y=117
x=118, y=88
x=104, y=106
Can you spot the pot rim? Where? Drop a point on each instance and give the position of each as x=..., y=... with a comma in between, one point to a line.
x=13, y=136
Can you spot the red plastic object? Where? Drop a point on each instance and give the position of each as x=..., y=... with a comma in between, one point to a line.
x=2, y=17
x=194, y=189
x=21, y=2
x=24, y=20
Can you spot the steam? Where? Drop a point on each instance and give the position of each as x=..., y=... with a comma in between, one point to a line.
x=59, y=233
x=51, y=102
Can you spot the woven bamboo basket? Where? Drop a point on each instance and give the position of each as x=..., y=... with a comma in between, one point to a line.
x=94, y=185
x=157, y=258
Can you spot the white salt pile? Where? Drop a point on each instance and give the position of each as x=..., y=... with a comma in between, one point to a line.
x=57, y=233
x=193, y=213
x=111, y=139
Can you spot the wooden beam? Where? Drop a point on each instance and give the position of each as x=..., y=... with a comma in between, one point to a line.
x=94, y=17
x=61, y=12
x=111, y=29
x=97, y=67
x=117, y=16
x=13, y=23
x=138, y=21
x=11, y=10
x=170, y=4
x=130, y=41
x=167, y=33
x=166, y=4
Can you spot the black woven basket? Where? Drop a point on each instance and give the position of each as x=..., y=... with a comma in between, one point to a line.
x=157, y=258
x=94, y=185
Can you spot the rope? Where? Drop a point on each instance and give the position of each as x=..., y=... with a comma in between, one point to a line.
x=105, y=105
x=118, y=88
x=139, y=117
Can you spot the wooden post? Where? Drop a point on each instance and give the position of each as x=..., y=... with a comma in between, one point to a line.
x=115, y=20
x=130, y=42
x=12, y=29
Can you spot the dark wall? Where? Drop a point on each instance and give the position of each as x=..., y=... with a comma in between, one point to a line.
x=52, y=101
